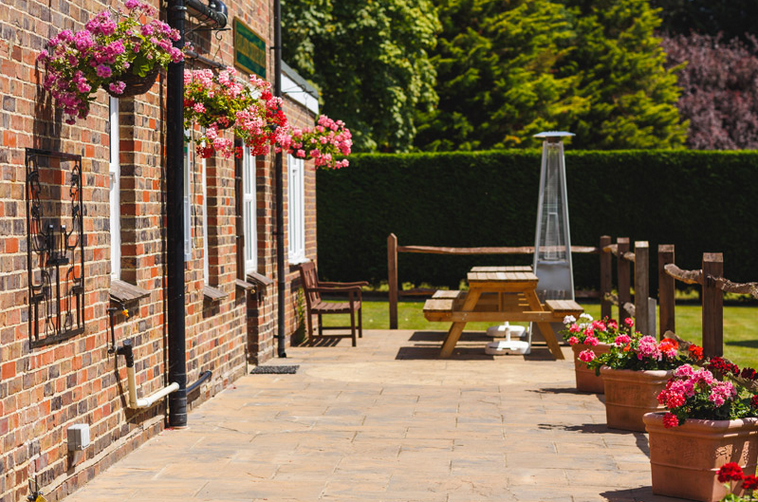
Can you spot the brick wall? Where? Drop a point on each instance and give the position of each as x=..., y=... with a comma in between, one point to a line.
x=44, y=390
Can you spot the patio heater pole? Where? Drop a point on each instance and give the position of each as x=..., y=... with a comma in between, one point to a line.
x=552, y=246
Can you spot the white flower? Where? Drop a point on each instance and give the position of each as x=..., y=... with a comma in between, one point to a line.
x=569, y=319
x=586, y=316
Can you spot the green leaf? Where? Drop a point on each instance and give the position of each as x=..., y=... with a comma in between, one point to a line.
x=141, y=66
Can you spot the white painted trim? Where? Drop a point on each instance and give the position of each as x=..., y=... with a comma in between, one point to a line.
x=114, y=194
x=186, y=203
x=296, y=209
x=249, y=211
x=206, y=243
x=296, y=93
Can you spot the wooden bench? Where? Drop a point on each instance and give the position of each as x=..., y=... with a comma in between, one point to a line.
x=445, y=306
x=562, y=308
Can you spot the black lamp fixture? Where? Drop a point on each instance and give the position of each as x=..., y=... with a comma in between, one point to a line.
x=215, y=15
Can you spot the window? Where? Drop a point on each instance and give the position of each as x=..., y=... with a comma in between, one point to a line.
x=114, y=170
x=206, y=237
x=296, y=213
x=250, y=233
x=188, y=158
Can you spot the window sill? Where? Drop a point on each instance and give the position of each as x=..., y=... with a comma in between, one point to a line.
x=213, y=294
x=259, y=279
x=297, y=260
x=122, y=292
x=250, y=288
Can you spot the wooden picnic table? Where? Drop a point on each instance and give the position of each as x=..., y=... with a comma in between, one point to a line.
x=498, y=294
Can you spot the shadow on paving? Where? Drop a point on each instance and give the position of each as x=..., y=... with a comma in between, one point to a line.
x=639, y=437
x=644, y=494
x=433, y=352
x=565, y=390
x=539, y=352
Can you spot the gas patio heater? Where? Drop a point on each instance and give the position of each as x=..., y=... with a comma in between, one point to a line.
x=552, y=245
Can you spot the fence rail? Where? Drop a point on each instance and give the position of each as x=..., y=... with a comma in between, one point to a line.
x=630, y=263
x=395, y=290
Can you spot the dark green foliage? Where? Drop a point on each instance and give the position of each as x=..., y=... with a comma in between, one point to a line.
x=698, y=201
x=507, y=69
x=731, y=18
x=369, y=61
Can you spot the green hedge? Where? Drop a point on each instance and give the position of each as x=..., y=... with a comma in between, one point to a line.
x=698, y=201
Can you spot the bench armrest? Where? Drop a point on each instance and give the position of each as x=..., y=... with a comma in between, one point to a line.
x=341, y=284
x=336, y=289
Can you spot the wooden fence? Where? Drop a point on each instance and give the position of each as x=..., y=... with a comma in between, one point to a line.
x=395, y=289
x=710, y=277
x=629, y=264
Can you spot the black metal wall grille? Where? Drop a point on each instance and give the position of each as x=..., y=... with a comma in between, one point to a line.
x=54, y=246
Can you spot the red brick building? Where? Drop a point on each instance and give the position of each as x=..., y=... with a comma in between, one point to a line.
x=55, y=367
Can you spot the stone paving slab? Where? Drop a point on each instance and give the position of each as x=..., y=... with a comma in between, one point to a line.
x=390, y=421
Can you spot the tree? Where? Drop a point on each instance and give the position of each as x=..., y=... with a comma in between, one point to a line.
x=368, y=58
x=720, y=97
x=496, y=71
x=509, y=68
x=621, y=66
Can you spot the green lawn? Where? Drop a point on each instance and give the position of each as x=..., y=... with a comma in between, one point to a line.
x=740, y=325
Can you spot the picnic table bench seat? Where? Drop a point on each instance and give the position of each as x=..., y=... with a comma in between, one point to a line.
x=446, y=306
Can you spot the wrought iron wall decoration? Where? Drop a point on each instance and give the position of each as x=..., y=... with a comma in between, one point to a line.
x=54, y=246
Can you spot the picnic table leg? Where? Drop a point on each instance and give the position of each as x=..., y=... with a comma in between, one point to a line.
x=545, y=327
x=457, y=327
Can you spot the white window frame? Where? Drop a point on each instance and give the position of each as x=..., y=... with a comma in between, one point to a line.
x=114, y=172
x=206, y=245
x=187, y=203
x=296, y=209
x=249, y=211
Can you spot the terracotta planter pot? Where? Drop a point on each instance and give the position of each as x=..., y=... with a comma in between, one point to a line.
x=630, y=394
x=685, y=460
x=586, y=380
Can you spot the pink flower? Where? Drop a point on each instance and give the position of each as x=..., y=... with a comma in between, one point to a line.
x=575, y=328
x=83, y=40
x=573, y=340
x=132, y=4
x=103, y=71
x=684, y=370
x=117, y=87
x=591, y=340
x=670, y=420
x=586, y=356
x=622, y=340
x=629, y=322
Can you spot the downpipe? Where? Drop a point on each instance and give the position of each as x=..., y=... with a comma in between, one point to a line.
x=134, y=402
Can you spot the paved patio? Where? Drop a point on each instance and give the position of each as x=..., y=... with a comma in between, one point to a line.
x=389, y=421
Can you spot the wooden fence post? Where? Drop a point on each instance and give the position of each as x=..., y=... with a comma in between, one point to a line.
x=605, y=277
x=642, y=286
x=713, y=305
x=392, y=278
x=666, y=289
x=624, y=281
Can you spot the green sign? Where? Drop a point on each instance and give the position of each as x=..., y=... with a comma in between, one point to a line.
x=249, y=50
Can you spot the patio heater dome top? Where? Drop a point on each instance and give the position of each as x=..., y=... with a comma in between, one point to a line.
x=553, y=134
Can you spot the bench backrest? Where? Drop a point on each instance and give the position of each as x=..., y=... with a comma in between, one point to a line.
x=309, y=278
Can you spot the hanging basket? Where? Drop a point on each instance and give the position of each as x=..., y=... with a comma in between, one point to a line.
x=135, y=84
